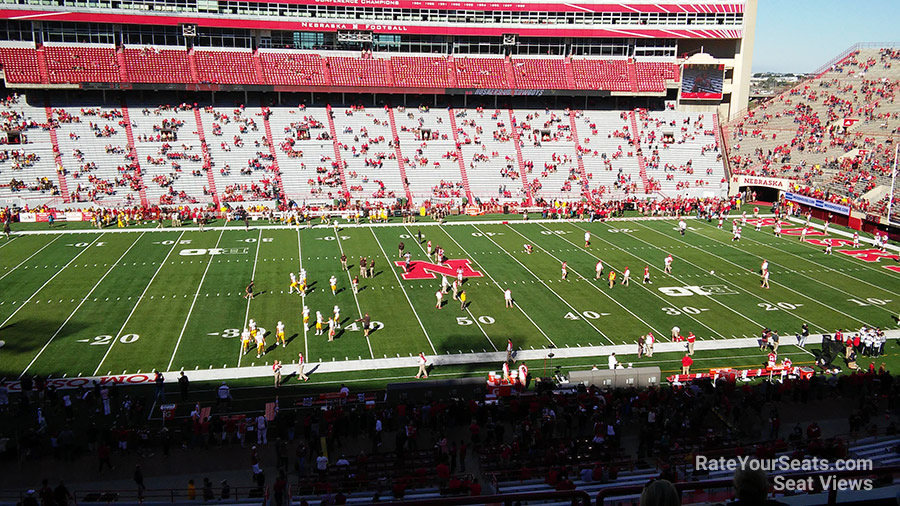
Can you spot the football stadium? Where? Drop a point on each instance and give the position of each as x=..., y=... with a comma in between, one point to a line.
x=442, y=253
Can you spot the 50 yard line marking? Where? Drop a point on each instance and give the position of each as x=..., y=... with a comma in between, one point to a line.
x=481, y=267
x=49, y=280
x=403, y=289
x=194, y=302
x=247, y=314
x=337, y=236
x=133, y=309
x=39, y=353
x=419, y=244
x=29, y=258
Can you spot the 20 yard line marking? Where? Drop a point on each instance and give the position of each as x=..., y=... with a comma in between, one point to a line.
x=542, y=282
x=86, y=297
x=29, y=258
x=133, y=309
x=252, y=277
x=337, y=236
x=482, y=269
x=193, y=303
x=419, y=244
x=391, y=264
x=57, y=273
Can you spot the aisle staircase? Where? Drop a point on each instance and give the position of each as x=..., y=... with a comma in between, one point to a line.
x=337, y=152
x=521, y=160
x=60, y=170
x=207, y=160
x=400, y=162
x=459, y=157
x=135, y=161
x=642, y=164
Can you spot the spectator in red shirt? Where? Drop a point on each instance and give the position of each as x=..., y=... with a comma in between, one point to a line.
x=686, y=364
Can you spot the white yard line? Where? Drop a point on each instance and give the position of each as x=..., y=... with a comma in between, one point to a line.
x=545, y=284
x=664, y=273
x=136, y=304
x=355, y=296
x=252, y=277
x=194, y=301
x=403, y=289
x=494, y=346
x=57, y=273
x=302, y=301
x=752, y=293
x=11, y=239
x=86, y=297
x=29, y=257
x=483, y=270
x=819, y=250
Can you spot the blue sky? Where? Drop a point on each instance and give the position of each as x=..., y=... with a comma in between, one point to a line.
x=801, y=35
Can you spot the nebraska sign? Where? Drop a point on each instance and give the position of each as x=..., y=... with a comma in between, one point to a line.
x=770, y=182
x=427, y=270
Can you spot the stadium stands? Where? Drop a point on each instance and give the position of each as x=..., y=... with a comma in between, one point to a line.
x=82, y=63
x=293, y=68
x=20, y=64
x=421, y=71
x=158, y=65
x=226, y=67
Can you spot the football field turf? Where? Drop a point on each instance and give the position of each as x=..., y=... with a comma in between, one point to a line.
x=86, y=303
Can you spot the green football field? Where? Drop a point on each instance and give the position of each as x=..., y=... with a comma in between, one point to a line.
x=85, y=303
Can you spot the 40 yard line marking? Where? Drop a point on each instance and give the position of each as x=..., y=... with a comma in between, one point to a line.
x=247, y=314
x=482, y=269
x=79, y=305
x=419, y=244
x=193, y=303
x=337, y=236
x=29, y=258
x=403, y=289
x=2, y=325
x=136, y=304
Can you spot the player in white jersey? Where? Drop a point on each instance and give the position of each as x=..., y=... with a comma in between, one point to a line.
x=507, y=298
x=445, y=284
x=825, y=229
x=626, y=276
x=803, y=234
x=294, y=284
x=565, y=270
x=337, y=316
x=305, y=318
x=260, y=345
x=332, y=281
x=245, y=341
x=279, y=335
x=743, y=218
x=682, y=226
x=598, y=269
x=827, y=246
x=855, y=239
x=668, y=265
x=331, y=329
x=428, y=248
x=777, y=229
x=721, y=220
x=303, y=276
x=647, y=275
x=439, y=299
x=764, y=266
x=758, y=225
x=459, y=276
x=765, y=279
x=319, y=321
x=587, y=239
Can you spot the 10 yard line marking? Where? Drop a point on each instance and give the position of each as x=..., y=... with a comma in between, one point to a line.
x=337, y=236
x=79, y=306
x=29, y=258
x=194, y=302
x=133, y=309
x=481, y=267
x=403, y=289
x=467, y=307
x=249, y=299
x=48, y=281
x=303, y=301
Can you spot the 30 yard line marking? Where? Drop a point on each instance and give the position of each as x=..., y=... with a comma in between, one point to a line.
x=133, y=309
x=403, y=289
x=752, y=293
x=29, y=257
x=57, y=273
x=419, y=244
x=770, y=246
x=247, y=314
x=193, y=303
x=86, y=297
x=302, y=300
x=337, y=236
x=648, y=289
x=543, y=283
x=482, y=269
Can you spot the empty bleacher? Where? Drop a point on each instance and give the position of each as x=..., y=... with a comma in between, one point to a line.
x=287, y=68
x=225, y=66
x=158, y=65
x=82, y=63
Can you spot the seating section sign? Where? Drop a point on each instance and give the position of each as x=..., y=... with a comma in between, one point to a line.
x=818, y=203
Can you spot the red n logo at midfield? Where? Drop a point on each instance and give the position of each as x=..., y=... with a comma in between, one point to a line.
x=427, y=270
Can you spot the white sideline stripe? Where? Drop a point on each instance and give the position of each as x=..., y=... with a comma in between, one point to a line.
x=710, y=297
x=113, y=266
x=403, y=289
x=490, y=358
x=355, y=296
x=302, y=302
x=516, y=304
x=133, y=309
x=773, y=282
x=11, y=239
x=776, y=248
x=29, y=258
x=193, y=302
x=247, y=314
x=542, y=281
x=57, y=273
x=419, y=244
